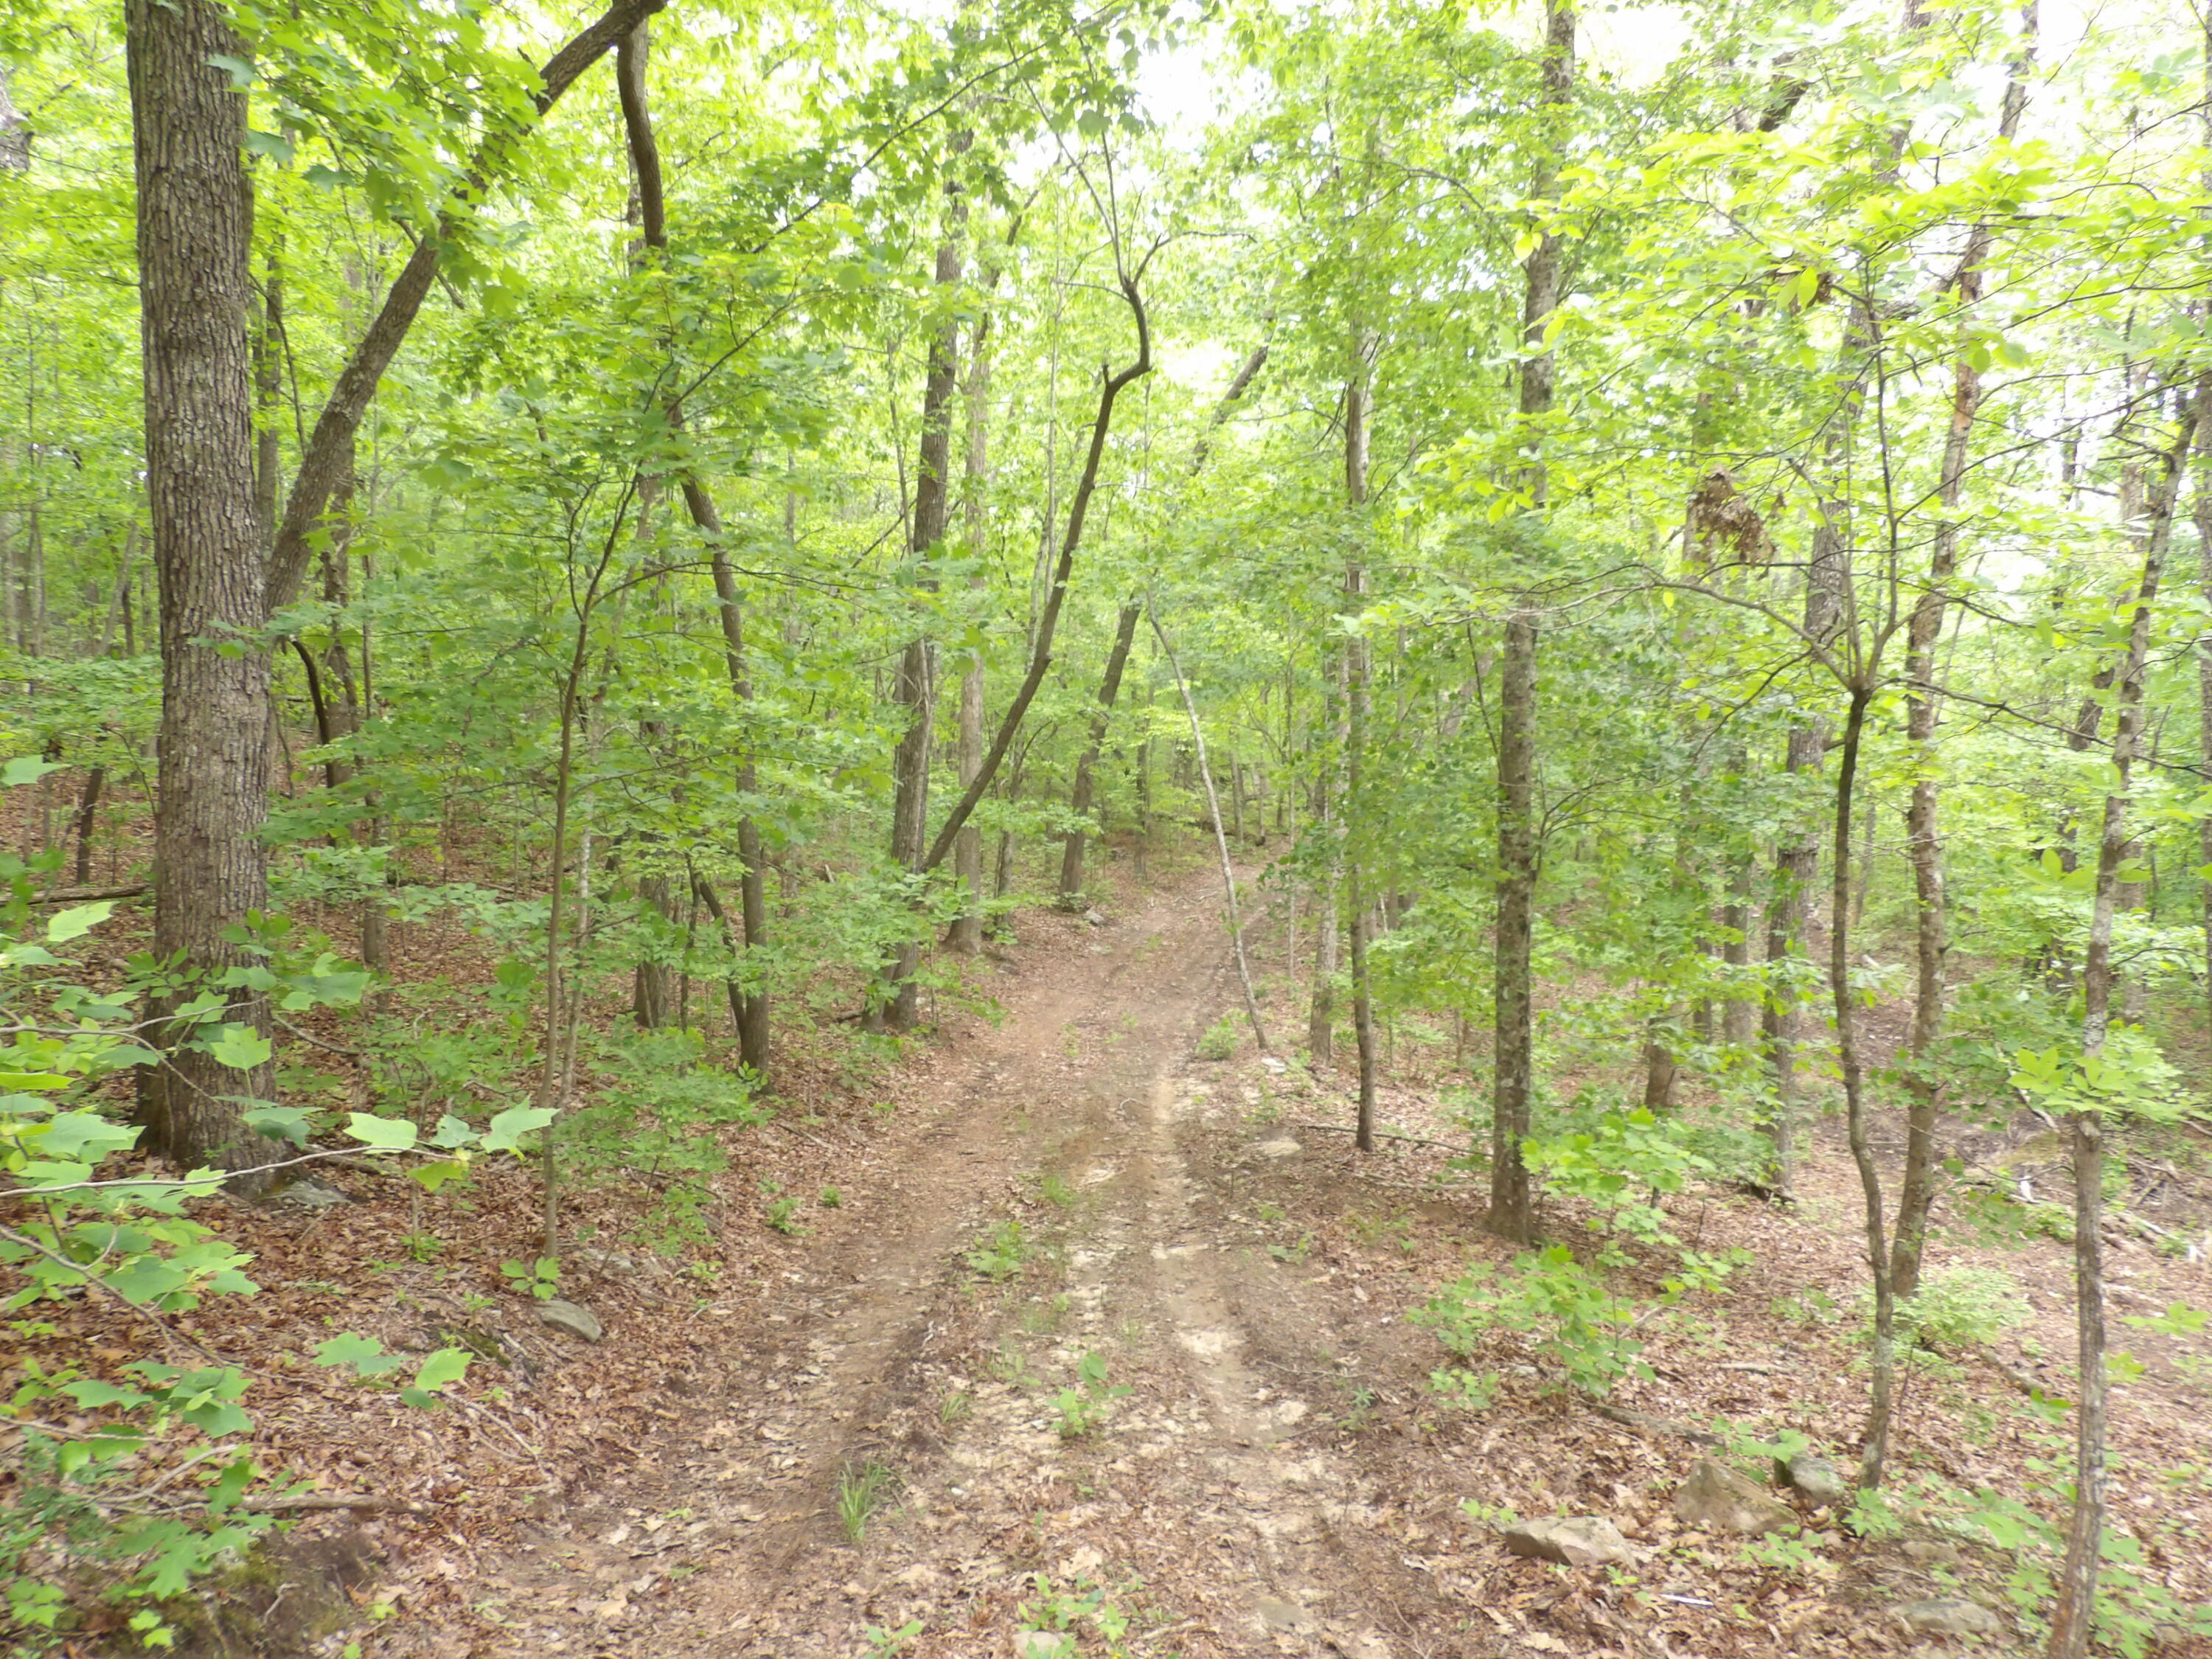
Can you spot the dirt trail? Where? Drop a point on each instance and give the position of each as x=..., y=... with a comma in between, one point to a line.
x=1191, y=1511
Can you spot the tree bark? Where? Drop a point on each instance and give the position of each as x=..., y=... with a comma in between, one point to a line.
x=1931, y=943
x=195, y=227
x=1358, y=671
x=966, y=934
x=2077, y=1584
x=748, y=1007
x=915, y=688
x=1079, y=805
x=1510, y=1212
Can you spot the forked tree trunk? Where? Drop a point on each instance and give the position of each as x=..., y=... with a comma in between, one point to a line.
x=194, y=228
x=1510, y=1212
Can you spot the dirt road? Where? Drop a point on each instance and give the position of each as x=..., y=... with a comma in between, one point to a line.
x=902, y=1452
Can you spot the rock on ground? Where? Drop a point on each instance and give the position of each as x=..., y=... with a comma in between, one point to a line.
x=1715, y=1499
x=1950, y=1615
x=571, y=1317
x=1584, y=1540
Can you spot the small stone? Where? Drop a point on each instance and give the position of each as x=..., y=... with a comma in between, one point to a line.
x=1815, y=1479
x=1950, y=1615
x=1715, y=1499
x=1096, y=918
x=1044, y=1644
x=1932, y=1551
x=1584, y=1540
x=1284, y=1615
x=1273, y=1064
x=571, y=1317
x=312, y=1195
x=1285, y=1147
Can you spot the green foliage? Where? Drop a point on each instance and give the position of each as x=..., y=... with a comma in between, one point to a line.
x=1956, y=1308
x=540, y=1279
x=1086, y=1406
x=1573, y=1319
x=1220, y=1039
x=862, y=1491
x=1001, y=1254
x=1072, y=1606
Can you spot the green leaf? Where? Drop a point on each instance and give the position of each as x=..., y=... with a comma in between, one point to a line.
x=275, y=146
x=391, y=1134
x=241, y=71
x=434, y=1175
x=364, y=1354
x=77, y=921
x=26, y=769
x=445, y=1365
x=506, y=1130
x=86, y=1137
x=287, y=1123
x=239, y=1047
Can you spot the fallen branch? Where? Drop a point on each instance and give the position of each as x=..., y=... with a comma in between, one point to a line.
x=1648, y=1425
x=87, y=894
x=1382, y=1134
x=322, y=1502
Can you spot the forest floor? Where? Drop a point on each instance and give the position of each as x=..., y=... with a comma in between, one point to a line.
x=849, y=1438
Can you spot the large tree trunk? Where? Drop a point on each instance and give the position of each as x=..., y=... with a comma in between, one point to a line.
x=2077, y=1583
x=1511, y=1214
x=195, y=226
x=1931, y=943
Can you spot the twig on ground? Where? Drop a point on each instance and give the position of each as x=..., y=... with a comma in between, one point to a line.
x=1380, y=1134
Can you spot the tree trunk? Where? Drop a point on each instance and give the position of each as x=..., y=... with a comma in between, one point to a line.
x=2077, y=1584
x=194, y=228
x=915, y=691
x=1109, y=688
x=1359, y=670
x=750, y=1007
x=1510, y=1212
x=1923, y=832
x=966, y=935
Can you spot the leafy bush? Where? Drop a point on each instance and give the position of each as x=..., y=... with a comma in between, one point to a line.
x=1219, y=1042
x=1086, y=1406
x=1575, y=1321
x=1001, y=1252
x=1956, y=1308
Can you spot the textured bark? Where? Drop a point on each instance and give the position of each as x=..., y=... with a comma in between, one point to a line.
x=966, y=934
x=194, y=231
x=1923, y=832
x=1510, y=1215
x=1359, y=668
x=749, y=1007
x=88, y=813
x=1109, y=688
x=915, y=688
x=2077, y=1581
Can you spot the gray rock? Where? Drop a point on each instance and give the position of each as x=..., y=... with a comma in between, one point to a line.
x=1284, y=1615
x=1096, y=918
x=1584, y=1540
x=1950, y=1615
x=1715, y=1499
x=1285, y=1147
x=312, y=1195
x=1815, y=1479
x=1044, y=1644
x=1932, y=1551
x=571, y=1317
